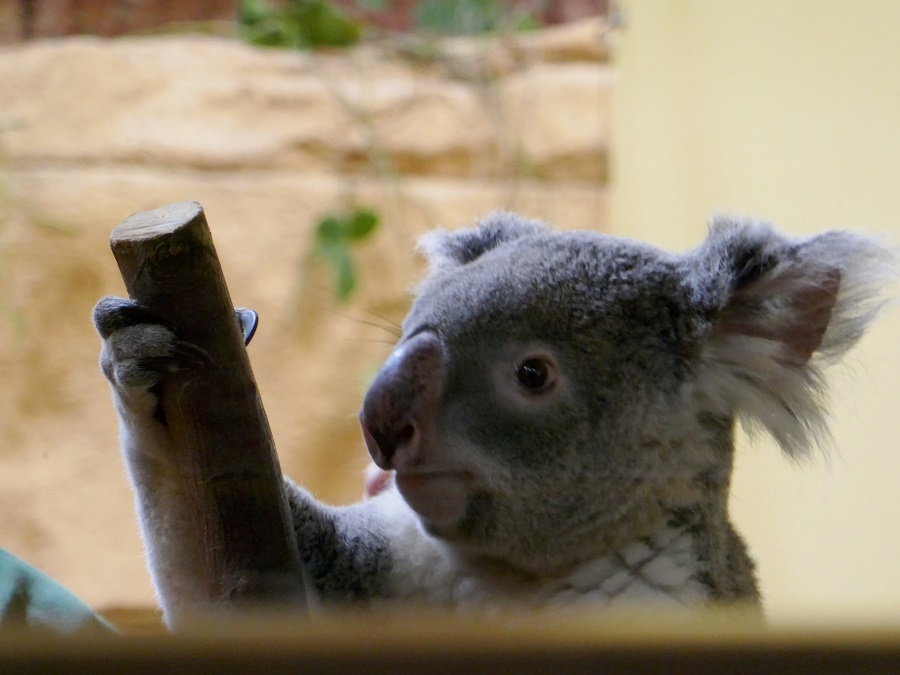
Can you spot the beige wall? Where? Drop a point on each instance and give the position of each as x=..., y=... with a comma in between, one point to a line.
x=787, y=110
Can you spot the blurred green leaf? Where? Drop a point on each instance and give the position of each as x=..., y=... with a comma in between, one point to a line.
x=361, y=224
x=328, y=25
x=300, y=24
x=335, y=235
x=330, y=229
x=251, y=12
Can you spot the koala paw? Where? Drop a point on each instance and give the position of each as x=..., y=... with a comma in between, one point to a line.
x=138, y=350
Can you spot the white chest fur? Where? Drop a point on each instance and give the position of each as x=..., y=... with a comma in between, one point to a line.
x=658, y=570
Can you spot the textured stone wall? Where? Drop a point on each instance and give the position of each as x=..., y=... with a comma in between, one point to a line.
x=92, y=130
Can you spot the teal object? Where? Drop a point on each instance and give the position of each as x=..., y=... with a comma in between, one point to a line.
x=31, y=599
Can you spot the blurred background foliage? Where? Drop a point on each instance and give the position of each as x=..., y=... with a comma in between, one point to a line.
x=321, y=23
x=300, y=24
x=311, y=24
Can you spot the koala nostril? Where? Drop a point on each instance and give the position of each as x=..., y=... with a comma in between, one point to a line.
x=406, y=435
x=382, y=446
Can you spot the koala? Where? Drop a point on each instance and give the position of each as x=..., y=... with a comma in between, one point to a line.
x=555, y=427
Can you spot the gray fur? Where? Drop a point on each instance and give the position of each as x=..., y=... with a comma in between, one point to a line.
x=568, y=402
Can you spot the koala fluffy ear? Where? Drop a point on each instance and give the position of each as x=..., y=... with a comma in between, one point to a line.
x=776, y=310
x=445, y=250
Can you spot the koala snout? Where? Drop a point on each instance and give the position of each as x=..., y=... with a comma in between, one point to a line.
x=398, y=414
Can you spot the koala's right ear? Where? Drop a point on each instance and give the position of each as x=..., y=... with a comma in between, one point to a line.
x=777, y=309
x=446, y=250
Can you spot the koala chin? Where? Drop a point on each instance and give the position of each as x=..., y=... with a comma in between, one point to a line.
x=555, y=426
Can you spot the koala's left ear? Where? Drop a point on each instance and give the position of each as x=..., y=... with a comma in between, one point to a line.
x=445, y=250
x=775, y=309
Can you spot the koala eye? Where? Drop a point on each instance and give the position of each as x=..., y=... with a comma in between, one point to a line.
x=536, y=375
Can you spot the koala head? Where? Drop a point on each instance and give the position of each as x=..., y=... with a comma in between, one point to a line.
x=555, y=395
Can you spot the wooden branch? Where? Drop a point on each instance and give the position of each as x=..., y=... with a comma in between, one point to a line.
x=226, y=454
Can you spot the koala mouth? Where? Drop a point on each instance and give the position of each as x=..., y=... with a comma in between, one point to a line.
x=440, y=498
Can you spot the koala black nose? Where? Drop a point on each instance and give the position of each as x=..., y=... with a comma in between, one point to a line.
x=398, y=413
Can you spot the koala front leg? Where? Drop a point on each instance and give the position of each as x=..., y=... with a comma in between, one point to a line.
x=137, y=352
x=345, y=551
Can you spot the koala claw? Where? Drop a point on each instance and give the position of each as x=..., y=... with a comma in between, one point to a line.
x=248, y=320
x=139, y=349
x=111, y=314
